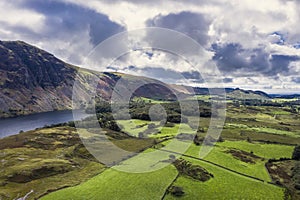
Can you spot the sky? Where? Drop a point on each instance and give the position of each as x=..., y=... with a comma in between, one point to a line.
x=254, y=44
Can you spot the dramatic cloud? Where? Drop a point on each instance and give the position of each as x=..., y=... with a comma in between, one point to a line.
x=233, y=58
x=163, y=74
x=255, y=44
x=227, y=80
x=191, y=75
x=197, y=28
x=76, y=28
x=296, y=80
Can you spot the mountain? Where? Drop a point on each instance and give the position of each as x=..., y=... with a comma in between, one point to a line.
x=33, y=80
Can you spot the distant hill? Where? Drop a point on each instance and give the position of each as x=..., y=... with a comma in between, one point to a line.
x=33, y=80
x=246, y=94
x=285, y=96
x=235, y=93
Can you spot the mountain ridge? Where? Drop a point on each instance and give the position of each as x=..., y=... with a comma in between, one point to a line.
x=33, y=80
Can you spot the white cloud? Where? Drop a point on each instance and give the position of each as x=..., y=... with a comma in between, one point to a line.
x=270, y=25
x=13, y=16
x=288, y=50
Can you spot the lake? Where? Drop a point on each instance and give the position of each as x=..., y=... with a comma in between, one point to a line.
x=11, y=126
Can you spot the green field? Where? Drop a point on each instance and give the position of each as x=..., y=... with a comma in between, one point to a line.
x=264, y=130
x=262, y=153
x=119, y=185
x=263, y=150
x=134, y=127
x=225, y=185
x=251, y=161
x=113, y=184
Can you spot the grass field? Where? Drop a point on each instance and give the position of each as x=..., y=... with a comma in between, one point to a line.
x=54, y=161
x=113, y=184
x=220, y=156
x=225, y=185
x=264, y=130
x=134, y=127
x=264, y=152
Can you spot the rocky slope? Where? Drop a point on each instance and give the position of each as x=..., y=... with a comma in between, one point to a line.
x=33, y=80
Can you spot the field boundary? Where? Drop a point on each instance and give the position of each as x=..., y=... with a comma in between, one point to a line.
x=166, y=192
x=223, y=167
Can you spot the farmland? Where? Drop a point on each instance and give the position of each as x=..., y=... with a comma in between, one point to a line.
x=253, y=153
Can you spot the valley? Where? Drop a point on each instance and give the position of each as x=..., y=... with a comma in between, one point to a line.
x=148, y=148
x=244, y=160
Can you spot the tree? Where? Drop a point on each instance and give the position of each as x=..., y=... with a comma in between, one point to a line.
x=142, y=135
x=151, y=126
x=249, y=140
x=177, y=191
x=221, y=139
x=172, y=157
x=296, y=153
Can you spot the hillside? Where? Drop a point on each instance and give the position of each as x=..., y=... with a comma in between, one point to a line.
x=236, y=93
x=33, y=80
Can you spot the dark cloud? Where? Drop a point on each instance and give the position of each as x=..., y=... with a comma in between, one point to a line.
x=161, y=73
x=65, y=19
x=251, y=80
x=22, y=30
x=280, y=63
x=281, y=38
x=191, y=75
x=166, y=75
x=227, y=80
x=228, y=57
x=149, y=54
x=297, y=45
x=195, y=25
x=157, y=2
x=296, y=80
x=233, y=57
x=131, y=67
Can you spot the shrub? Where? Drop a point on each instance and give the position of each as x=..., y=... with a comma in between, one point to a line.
x=222, y=140
x=176, y=191
x=272, y=160
x=151, y=126
x=296, y=153
x=249, y=140
x=201, y=130
x=194, y=171
x=172, y=157
x=198, y=140
x=169, y=124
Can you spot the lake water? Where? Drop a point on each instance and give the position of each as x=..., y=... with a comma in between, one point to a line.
x=11, y=126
